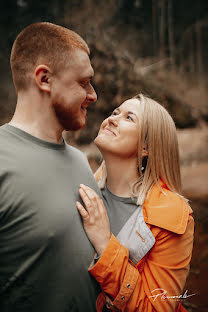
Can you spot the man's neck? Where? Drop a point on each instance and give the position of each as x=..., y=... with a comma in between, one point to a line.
x=35, y=129
x=33, y=115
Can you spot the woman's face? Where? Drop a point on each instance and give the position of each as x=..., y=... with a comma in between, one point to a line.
x=119, y=133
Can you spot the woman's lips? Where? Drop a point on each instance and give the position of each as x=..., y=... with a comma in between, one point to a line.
x=108, y=130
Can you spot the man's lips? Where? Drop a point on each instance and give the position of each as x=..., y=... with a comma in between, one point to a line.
x=84, y=106
x=109, y=130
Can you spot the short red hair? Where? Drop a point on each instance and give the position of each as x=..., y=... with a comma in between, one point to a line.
x=42, y=43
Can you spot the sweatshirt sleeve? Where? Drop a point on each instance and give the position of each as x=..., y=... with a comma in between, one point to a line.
x=149, y=285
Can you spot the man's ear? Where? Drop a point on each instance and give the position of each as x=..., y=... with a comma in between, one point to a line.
x=42, y=77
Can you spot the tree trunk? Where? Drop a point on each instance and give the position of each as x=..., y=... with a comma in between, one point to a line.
x=154, y=26
x=199, y=53
x=171, y=36
x=162, y=28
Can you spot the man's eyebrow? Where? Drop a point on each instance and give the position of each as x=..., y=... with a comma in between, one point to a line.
x=88, y=77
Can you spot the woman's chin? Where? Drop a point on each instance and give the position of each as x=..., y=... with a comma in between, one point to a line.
x=95, y=140
x=100, y=142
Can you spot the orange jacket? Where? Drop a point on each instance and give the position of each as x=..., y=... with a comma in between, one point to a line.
x=164, y=269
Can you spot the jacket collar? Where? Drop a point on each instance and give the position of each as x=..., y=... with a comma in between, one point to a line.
x=168, y=211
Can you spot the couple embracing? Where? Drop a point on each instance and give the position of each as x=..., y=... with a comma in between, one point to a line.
x=120, y=240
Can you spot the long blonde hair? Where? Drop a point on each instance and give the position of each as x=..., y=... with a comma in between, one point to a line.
x=157, y=132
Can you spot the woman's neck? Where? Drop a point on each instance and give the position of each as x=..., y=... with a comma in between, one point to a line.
x=121, y=174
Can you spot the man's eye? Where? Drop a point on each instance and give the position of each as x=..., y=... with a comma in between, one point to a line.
x=84, y=83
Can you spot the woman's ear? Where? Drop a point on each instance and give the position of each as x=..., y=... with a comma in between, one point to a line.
x=144, y=151
x=42, y=77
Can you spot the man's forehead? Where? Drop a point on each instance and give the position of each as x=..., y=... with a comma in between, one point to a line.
x=80, y=59
x=79, y=56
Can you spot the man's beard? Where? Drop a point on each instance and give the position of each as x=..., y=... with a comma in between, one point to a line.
x=70, y=119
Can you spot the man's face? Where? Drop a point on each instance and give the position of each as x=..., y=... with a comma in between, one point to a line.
x=72, y=92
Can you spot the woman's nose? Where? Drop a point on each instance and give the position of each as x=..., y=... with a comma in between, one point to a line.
x=113, y=120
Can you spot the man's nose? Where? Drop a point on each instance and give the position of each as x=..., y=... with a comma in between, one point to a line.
x=92, y=95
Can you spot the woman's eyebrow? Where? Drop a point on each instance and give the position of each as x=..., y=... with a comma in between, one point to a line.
x=129, y=112
x=132, y=113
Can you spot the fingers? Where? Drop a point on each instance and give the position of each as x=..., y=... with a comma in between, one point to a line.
x=82, y=210
x=86, y=200
x=90, y=192
x=93, y=203
x=89, y=197
x=95, y=199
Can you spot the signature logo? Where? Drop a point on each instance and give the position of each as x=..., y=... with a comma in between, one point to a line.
x=162, y=294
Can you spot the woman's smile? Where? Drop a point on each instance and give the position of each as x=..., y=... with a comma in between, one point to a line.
x=109, y=131
x=119, y=133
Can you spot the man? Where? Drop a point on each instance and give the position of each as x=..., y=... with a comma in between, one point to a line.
x=44, y=252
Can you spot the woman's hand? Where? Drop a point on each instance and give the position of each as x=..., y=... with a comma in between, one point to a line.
x=95, y=218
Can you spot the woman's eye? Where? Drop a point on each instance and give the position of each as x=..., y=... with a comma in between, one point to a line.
x=114, y=113
x=129, y=118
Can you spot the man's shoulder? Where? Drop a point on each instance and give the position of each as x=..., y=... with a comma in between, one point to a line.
x=4, y=136
x=77, y=154
x=76, y=151
x=3, y=130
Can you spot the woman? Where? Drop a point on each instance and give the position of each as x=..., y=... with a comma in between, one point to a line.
x=143, y=255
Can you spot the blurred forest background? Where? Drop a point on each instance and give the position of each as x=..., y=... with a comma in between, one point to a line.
x=157, y=47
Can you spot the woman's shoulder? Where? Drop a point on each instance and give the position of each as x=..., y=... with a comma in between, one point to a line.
x=167, y=210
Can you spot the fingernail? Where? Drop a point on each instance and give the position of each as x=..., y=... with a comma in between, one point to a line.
x=82, y=185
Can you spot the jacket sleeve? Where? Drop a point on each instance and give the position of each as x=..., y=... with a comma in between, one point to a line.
x=146, y=286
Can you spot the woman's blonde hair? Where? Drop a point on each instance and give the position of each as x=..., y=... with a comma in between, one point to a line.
x=157, y=132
